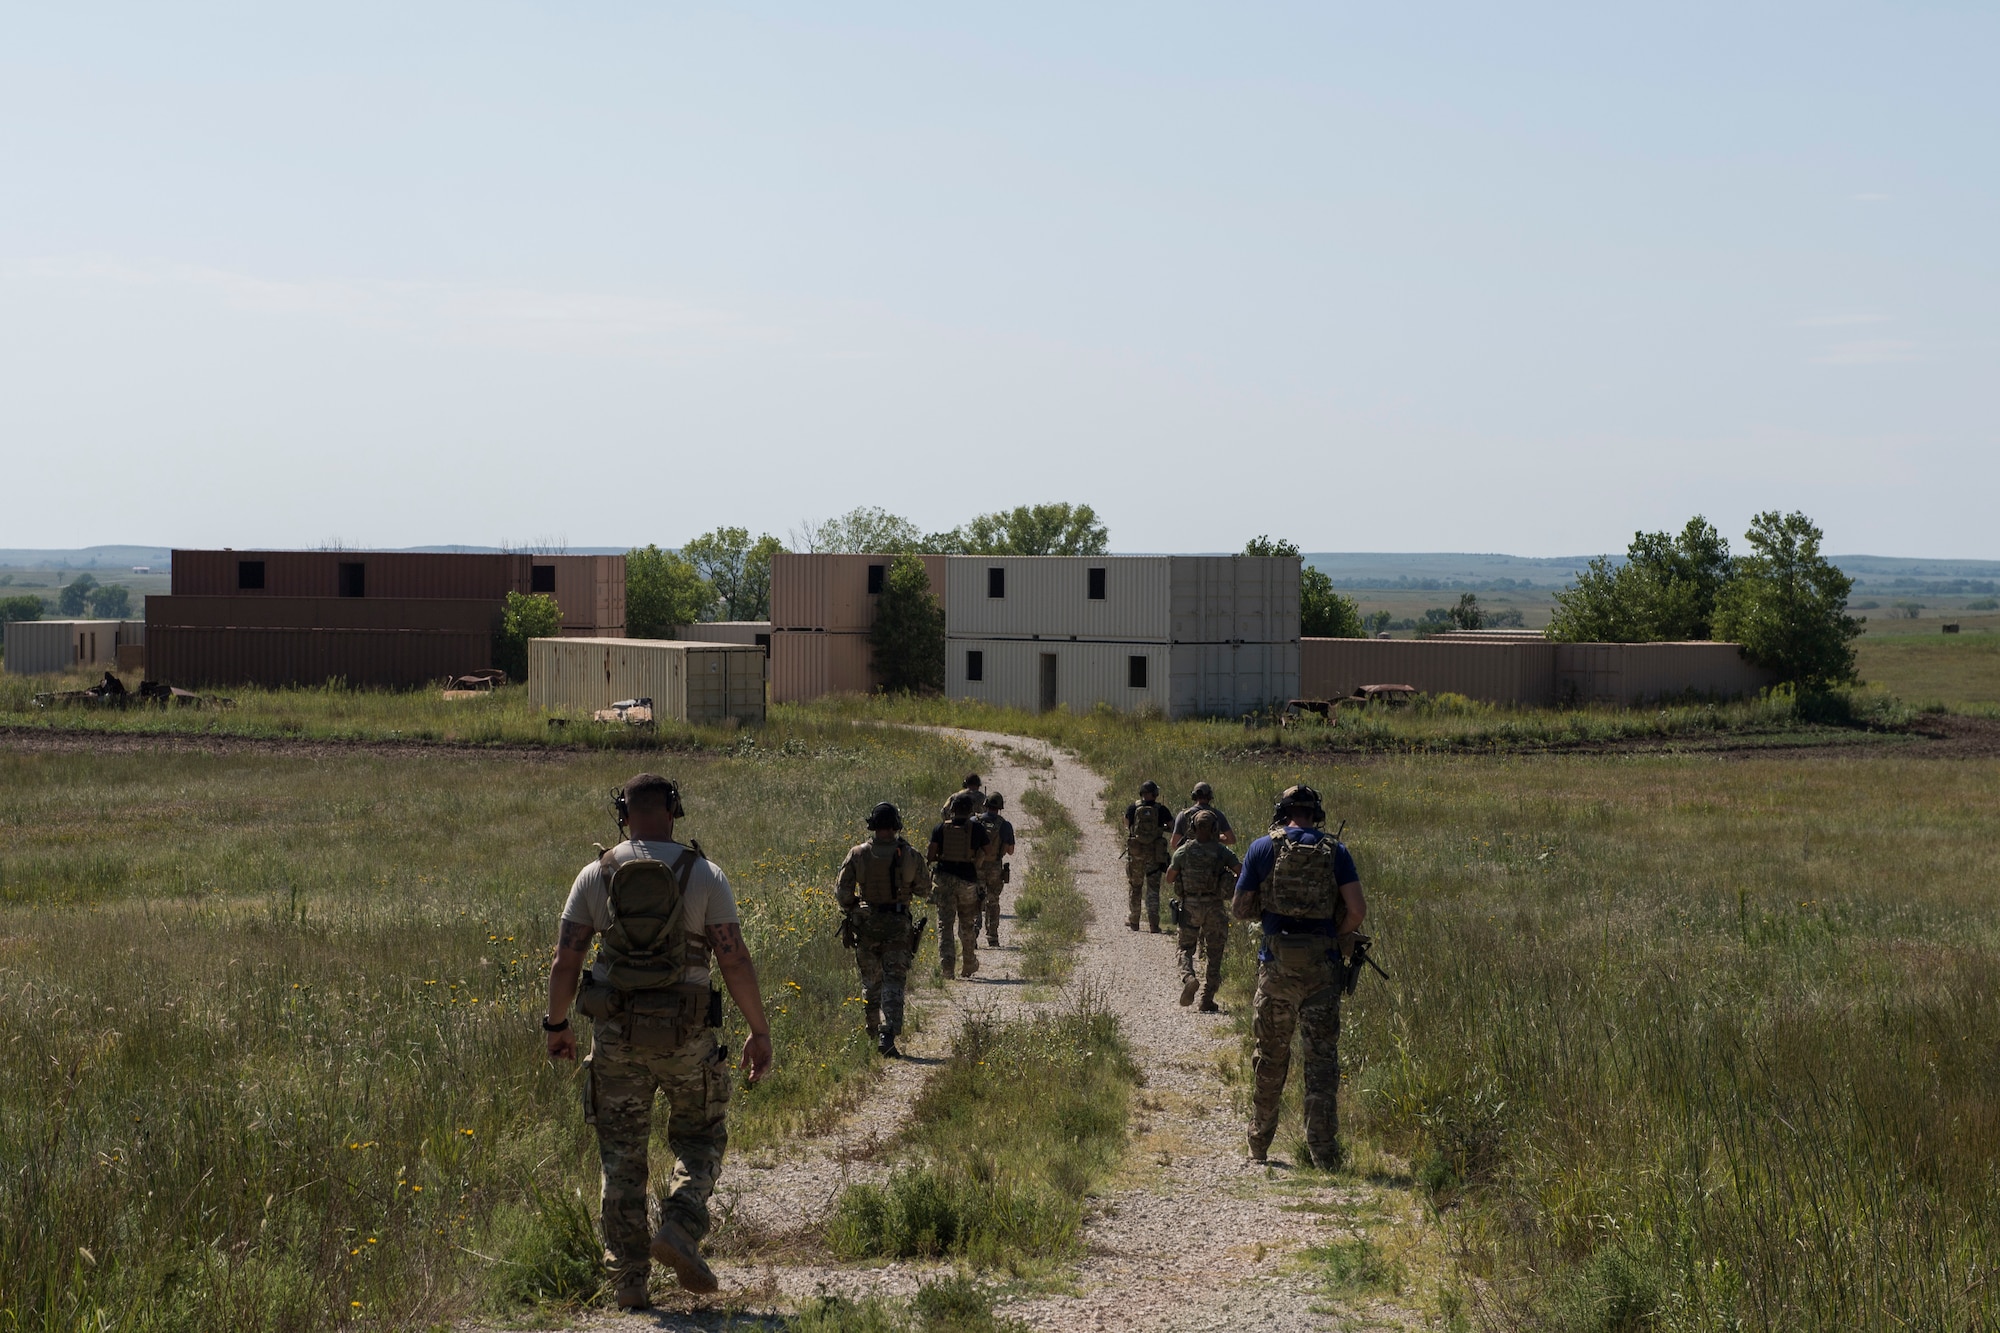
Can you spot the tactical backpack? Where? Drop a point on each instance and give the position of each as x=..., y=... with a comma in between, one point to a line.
x=1148, y=834
x=1205, y=870
x=1302, y=883
x=643, y=952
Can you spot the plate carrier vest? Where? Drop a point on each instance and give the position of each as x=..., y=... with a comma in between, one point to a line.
x=1149, y=829
x=880, y=878
x=955, y=842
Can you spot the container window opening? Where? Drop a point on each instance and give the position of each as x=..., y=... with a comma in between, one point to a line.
x=249, y=575
x=1048, y=682
x=1135, y=672
x=353, y=578
x=975, y=665
x=877, y=574
x=996, y=583
x=1096, y=585
x=542, y=579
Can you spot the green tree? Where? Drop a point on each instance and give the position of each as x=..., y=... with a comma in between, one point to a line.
x=27, y=606
x=1323, y=612
x=1468, y=614
x=111, y=601
x=76, y=596
x=738, y=569
x=1665, y=590
x=908, y=634
x=867, y=529
x=663, y=590
x=527, y=615
x=1787, y=604
x=1044, y=529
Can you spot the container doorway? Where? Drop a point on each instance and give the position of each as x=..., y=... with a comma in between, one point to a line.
x=1048, y=682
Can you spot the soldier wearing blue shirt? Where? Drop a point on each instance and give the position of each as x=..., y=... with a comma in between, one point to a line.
x=1300, y=884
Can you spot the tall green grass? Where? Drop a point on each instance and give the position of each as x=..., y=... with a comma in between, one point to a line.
x=1004, y=1144
x=269, y=1020
x=1054, y=914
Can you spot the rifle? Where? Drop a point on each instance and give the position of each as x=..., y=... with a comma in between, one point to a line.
x=848, y=939
x=1174, y=910
x=917, y=935
x=1350, y=968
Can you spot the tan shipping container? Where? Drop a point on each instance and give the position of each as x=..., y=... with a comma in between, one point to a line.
x=1231, y=679
x=687, y=682
x=831, y=591
x=1108, y=599
x=756, y=632
x=589, y=592
x=1056, y=673
x=1637, y=673
x=459, y=614
x=1512, y=673
x=54, y=647
x=809, y=665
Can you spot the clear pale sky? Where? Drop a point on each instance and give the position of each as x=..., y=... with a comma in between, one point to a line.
x=1385, y=277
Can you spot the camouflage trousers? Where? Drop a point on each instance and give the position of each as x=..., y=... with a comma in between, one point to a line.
x=1142, y=876
x=1302, y=1000
x=958, y=915
x=989, y=880
x=619, y=1084
x=1204, y=923
x=882, y=949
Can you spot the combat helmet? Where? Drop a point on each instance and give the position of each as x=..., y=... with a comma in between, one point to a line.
x=995, y=801
x=963, y=804
x=1202, y=792
x=884, y=816
x=1299, y=801
x=1149, y=788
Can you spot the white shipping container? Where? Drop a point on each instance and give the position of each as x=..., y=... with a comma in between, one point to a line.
x=1051, y=597
x=1231, y=679
x=687, y=682
x=1038, y=676
x=52, y=647
x=1235, y=599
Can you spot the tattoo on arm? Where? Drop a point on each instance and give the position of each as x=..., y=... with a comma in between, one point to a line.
x=727, y=941
x=575, y=937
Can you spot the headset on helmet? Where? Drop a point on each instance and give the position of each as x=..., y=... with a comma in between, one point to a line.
x=621, y=797
x=1202, y=792
x=1299, y=801
x=995, y=801
x=884, y=816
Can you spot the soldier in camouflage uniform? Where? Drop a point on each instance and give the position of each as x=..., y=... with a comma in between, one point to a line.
x=658, y=908
x=1146, y=825
x=1301, y=885
x=1205, y=872
x=994, y=871
x=972, y=789
x=1204, y=799
x=956, y=848
x=877, y=884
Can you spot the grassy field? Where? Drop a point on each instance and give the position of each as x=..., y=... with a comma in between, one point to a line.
x=1673, y=1041
x=270, y=1018
x=1954, y=669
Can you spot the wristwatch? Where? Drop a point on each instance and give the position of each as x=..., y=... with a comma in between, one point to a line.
x=554, y=1027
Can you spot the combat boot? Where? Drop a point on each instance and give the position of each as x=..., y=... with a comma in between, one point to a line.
x=1259, y=1148
x=1189, y=985
x=1153, y=924
x=971, y=966
x=1209, y=1006
x=874, y=1021
x=678, y=1251
x=629, y=1291
x=1133, y=924
x=886, y=1045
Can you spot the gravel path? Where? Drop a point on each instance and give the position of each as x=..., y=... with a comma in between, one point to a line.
x=1189, y=1237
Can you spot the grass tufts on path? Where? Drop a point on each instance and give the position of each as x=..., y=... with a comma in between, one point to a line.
x=1005, y=1142
x=1053, y=910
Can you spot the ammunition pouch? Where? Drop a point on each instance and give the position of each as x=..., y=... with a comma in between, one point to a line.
x=661, y=1019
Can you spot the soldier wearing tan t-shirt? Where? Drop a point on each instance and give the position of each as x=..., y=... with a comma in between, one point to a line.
x=655, y=1037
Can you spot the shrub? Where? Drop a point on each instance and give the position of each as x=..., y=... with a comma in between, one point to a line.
x=26, y=606
x=553, y=1254
x=663, y=590
x=528, y=615
x=1666, y=589
x=1976, y=604
x=76, y=595
x=112, y=601
x=908, y=634
x=1787, y=605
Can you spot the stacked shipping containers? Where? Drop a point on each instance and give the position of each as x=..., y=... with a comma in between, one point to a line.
x=1182, y=635
x=822, y=607
x=756, y=632
x=687, y=682
x=51, y=647
x=369, y=617
x=1530, y=670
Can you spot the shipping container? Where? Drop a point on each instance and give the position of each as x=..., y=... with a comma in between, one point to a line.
x=51, y=647
x=198, y=656
x=836, y=592
x=1513, y=673
x=756, y=632
x=687, y=682
x=1056, y=673
x=1231, y=679
x=589, y=589
x=1235, y=599
x=458, y=614
x=808, y=665
x=1530, y=670
x=1111, y=599
x=1638, y=673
